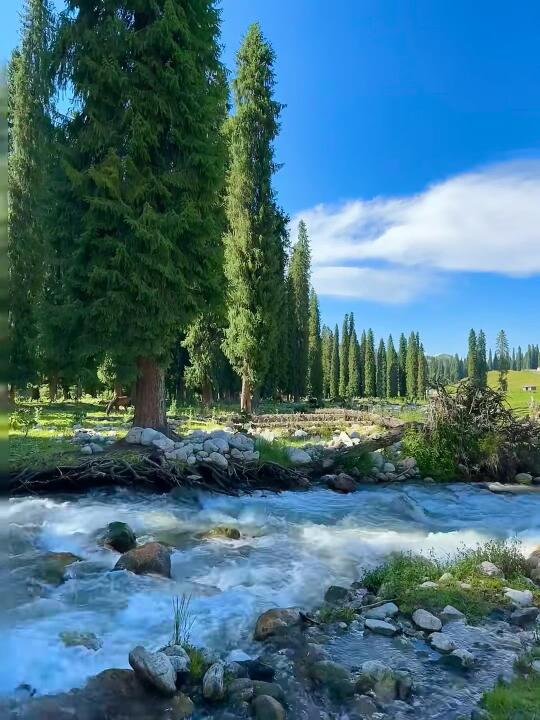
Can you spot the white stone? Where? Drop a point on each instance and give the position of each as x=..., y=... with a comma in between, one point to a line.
x=429, y=584
x=442, y=642
x=298, y=456
x=178, y=657
x=238, y=655
x=465, y=658
x=154, y=668
x=218, y=459
x=381, y=627
x=213, y=682
x=389, y=467
x=210, y=446
x=535, y=666
x=382, y=612
x=426, y=621
x=86, y=450
x=221, y=444
x=446, y=577
x=345, y=438
x=241, y=441
x=134, y=436
x=450, y=613
x=489, y=569
x=149, y=434
x=521, y=598
x=164, y=443
x=300, y=434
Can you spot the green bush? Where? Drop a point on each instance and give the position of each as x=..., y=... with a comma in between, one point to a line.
x=435, y=454
x=505, y=554
x=357, y=460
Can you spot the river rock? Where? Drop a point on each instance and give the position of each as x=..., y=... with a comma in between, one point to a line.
x=379, y=678
x=297, y=456
x=381, y=627
x=155, y=669
x=222, y=531
x=335, y=678
x=210, y=446
x=183, y=707
x=389, y=467
x=262, y=687
x=341, y=483
x=461, y=658
x=267, y=708
x=120, y=537
x=275, y=621
x=80, y=639
x=86, y=450
x=213, y=683
x=240, y=690
x=364, y=707
x=524, y=478
x=429, y=584
x=489, y=569
x=521, y=598
x=442, y=642
x=336, y=594
x=218, y=459
x=241, y=442
x=382, y=612
x=523, y=617
x=178, y=657
x=52, y=566
x=251, y=456
x=148, y=435
x=134, y=436
x=376, y=459
x=257, y=670
x=533, y=561
x=426, y=621
x=450, y=613
x=150, y=558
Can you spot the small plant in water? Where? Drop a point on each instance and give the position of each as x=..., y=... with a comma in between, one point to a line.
x=183, y=620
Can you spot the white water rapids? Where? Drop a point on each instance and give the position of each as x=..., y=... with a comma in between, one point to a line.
x=293, y=547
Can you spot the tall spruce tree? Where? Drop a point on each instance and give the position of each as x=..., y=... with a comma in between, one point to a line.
x=472, y=362
x=370, y=366
x=412, y=366
x=334, y=364
x=392, y=369
x=299, y=278
x=327, y=344
x=30, y=133
x=344, y=358
x=422, y=380
x=253, y=243
x=402, y=358
x=354, y=365
x=481, y=360
x=504, y=360
x=315, y=366
x=150, y=170
x=381, y=370
x=362, y=364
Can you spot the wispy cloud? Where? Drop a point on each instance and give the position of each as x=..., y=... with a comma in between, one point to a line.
x=485, y=221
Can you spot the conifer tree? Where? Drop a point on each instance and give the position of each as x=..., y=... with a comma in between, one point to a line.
x=147, y=124
x=327, y=344
x=504, y=360
x=370, y=369
x=481, y=360
x=30, y=131
x=299, y=278
x=392, y=369
x=412, y=366
x=253, y=243
x=344, y=358
x=202, y=341
x=354, y=365
x=362, y=365
x=402, y=358
x=334, y=365
x=472, y=372
x=422, y=373
x=315, y=376
x=381, y=370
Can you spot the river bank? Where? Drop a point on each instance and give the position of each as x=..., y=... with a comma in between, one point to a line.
x=291, y=548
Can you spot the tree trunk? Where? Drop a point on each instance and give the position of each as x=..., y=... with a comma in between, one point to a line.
x=65, y=392
x=150, y=396
x=245, y=395
x=118, y=389
x=206, y=392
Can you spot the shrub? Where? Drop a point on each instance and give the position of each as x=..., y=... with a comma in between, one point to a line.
x=434, y=453
x=333, y=615
x=505, y=554
x=25, y=419
x=357, y=460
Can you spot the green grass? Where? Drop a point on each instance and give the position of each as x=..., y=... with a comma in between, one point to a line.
x=399, y=578
x=333, y=615
x=517, y=700
x=358, y=460
x=275, y=451
x=517, y=398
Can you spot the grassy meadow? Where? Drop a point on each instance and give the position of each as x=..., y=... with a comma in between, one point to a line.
x=517, y=398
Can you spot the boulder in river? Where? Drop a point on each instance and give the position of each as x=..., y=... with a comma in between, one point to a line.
x=381, y=627
x=521, y=598
x=450, y=613
x=336, y=594
x=426, y=621
x=120, y=537
x=178, y=657
x=341, y=483
x=523, y=617
x=275, y=621
x=222, y=531
x=80, y=639
x=524, y=478
x=267, y=708
x=155, y=669
x=150, y=558
x=214, y=683
x=381, y=612
x=53, y=565
x=442, y=642
x=334, y=678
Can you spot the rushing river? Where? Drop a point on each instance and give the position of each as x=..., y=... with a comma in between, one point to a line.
x=293, y=546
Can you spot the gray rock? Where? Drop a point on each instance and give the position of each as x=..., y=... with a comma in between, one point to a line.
x=241, y=442
x=524, y=478
x=250, y=455
x=134, y=436
x=151, y=558
x=213, y=683
x=178, y=657
x=451, y=613
x=81, y=639
x=298, y=456
x=335, y=678
x=535, y=666
x=381, y=627
x=521, y=598
x=263, y=687
x=429, y=584
x=300, y=434
x=336, y=594
x=446, y=578
x=364, y=706
x=342, y=483
x=218, y=459
x=377, y=460
x=489, y=569
x=182, y=707
x=240, y=690
x=267, y=708
x=149, y=434
x=120, y=537
x=210, y=446
x=382, y=611
x=221, y=444
x=163, y=443
x=426, y=621
x=461, y=658
x=192, y=460
x=155, y=669
x=86, y=450
x=522, y=617
x=441, y=642
x=96, y=448
x=389, y=467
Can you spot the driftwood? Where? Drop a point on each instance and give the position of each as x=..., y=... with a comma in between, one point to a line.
x=154, y=473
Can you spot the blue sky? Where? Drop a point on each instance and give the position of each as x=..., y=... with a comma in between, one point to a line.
x=411, y=146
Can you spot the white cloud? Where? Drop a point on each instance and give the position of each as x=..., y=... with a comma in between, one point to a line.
x=483, y=221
